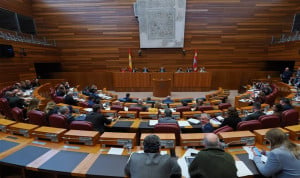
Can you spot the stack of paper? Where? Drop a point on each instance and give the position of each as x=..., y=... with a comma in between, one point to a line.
x=183, y=123
x=115, y=151
x=193, y=121
x=153, y=122
x=242, y=169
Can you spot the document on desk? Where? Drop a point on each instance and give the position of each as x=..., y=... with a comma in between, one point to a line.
x=251, y=155
x=248, y=149
x=242, y=169
x=153, y=122
x=183, y=164
x=115, y=151
x=183, y=123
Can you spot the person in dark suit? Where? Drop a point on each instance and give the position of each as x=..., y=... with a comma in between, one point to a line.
x=286, y=104
x=233, y=118
x=205, y=123
x=97, y=118
x=162, y=69
x=168, y=100
x=256, y=112
x=213, y=161
x=286, y=75
x=61, y=90
x=16, y=101
x=140, y=165
x=145, y=70
x=168, y=117
x=126, y=98
x=65, y=111
x=70, y=100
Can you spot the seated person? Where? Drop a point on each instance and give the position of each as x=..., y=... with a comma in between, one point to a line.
x=266, y=89
x=126, y=99
x=162, y=69
x=184, y=103
x=50, y=109
x=168, y=100
x=145, y=70
x=277, y=110
x=15, y=100
x=232, y=118
x=135, y=69
x=33, y=105
x=286, y=104
x=97, y=118
x=93, y=89
x=67, y=85
x=91, y=101
x=168, y=117
x=149, y=100
x=35, y=83
x=199, y=102
x=155, y=107
x=189, y=69
x=70, y=100
x=65, y=111
x=256, y=112
x=260, y=98
x=28, y=84
x=202, y=69
x=23, y=86
x=151, y=163
x=206, y=125
x=213, y=161
x=140, y=105
x=179, y=70
x=284, y=158
x=61, y=90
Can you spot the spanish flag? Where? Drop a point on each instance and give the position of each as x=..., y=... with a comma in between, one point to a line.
x=195, y=61
x=129, y=60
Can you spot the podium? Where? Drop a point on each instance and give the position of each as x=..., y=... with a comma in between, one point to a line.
x=161, y=87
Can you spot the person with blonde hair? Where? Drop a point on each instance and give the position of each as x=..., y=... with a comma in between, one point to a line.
x=283, y=159
x=33, y=104
x=156, y=107
x=50, y=109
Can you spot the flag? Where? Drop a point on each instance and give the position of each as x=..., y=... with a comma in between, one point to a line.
x=195, y=61
x=129, y=60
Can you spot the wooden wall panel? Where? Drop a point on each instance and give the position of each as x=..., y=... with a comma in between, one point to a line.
x=95, y=35
x=232, y=37
x=286, y=51
x=22, y=67
x=20, y=6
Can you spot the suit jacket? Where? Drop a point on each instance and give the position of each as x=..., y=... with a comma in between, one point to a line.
x=98, y=120
x=16, y=101
x=231, y=122
x=70, y=100
x=148, y=165
x=213, y=163
x=281, y=163
x=167, y=120
x=287, y=107
x=254, y=116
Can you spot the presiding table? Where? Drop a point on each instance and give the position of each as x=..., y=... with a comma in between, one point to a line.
x=138, y=81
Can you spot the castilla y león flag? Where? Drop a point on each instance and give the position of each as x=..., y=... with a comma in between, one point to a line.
x=129, y=60
x=195, y=61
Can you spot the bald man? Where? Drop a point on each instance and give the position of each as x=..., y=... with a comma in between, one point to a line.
x=212, y=162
